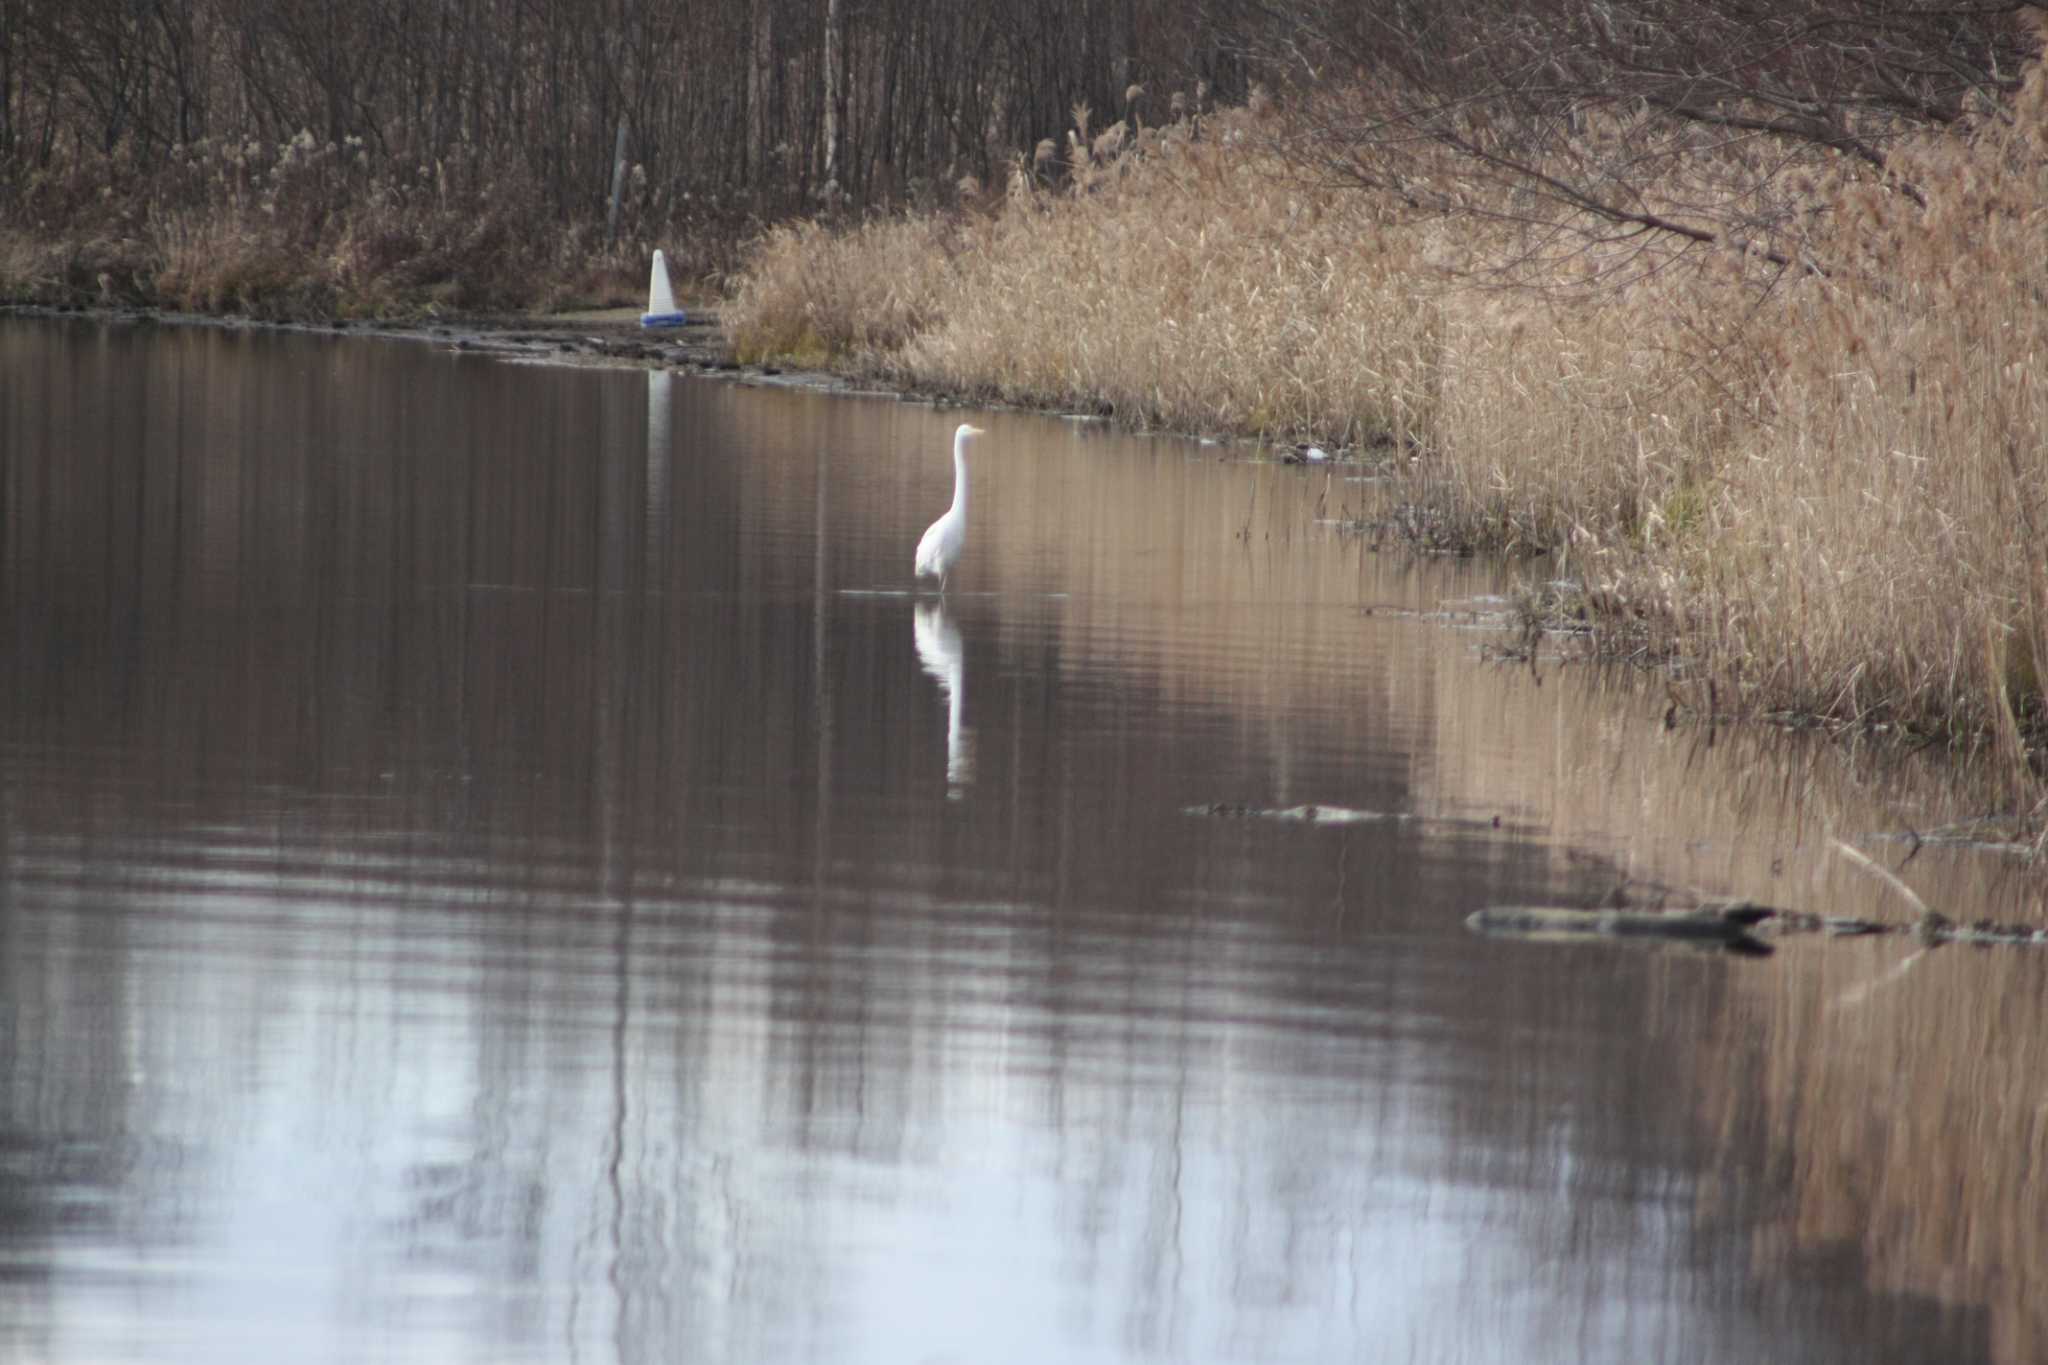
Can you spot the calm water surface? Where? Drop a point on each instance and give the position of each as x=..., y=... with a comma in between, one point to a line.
x=495, y=866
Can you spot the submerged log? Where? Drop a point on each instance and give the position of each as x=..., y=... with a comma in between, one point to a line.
x=1727, y=924
x=1314, y=814
x=1735, y=924
x=1740, y=926
x=1304, y=815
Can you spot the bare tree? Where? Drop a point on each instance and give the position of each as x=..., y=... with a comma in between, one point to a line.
x=748, y=102
x=835, y=86
x=1572, y=111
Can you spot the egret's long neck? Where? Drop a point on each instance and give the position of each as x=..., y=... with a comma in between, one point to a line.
x=960, y=475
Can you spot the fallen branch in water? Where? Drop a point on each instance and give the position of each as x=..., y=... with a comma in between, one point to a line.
x=1726, y=925
x=1312, y=814
x=1305, y=815
x=1738, y=925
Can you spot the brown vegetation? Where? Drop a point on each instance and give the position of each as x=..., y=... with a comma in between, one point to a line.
x=299, y=229
x=1741, y=308
x=288, y=158
x=1814, y=460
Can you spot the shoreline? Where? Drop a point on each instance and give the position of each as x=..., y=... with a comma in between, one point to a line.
x=605, y=338
x=1578, y=631
x=597, y=337
x=613, y=338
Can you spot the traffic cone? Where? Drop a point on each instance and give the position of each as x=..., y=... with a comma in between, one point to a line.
x=661, y=300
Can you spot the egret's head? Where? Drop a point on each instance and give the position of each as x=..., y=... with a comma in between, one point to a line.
x=968, y=432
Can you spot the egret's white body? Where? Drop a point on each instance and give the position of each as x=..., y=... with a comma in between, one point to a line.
x=945, y=538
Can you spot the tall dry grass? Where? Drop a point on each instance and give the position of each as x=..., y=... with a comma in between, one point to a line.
x=1890, y=500
x=813, y=293
x=1826, y=488
x=1181, y=281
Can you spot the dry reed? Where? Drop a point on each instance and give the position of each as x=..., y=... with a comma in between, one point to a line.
x=814, y=293
x=1827, y=488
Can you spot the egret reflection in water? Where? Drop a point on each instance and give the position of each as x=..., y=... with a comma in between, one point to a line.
x=939, y=650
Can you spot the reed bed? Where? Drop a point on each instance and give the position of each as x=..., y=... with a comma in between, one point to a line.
x=813, y=293
x=1822, y=489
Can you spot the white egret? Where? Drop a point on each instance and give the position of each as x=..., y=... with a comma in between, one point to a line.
x=943, y=541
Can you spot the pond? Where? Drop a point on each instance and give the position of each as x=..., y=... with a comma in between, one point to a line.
x=497, y=864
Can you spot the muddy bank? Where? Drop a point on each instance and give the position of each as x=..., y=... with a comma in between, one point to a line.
x=609, y=337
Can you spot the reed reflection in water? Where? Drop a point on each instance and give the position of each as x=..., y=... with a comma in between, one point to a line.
x=482, y=877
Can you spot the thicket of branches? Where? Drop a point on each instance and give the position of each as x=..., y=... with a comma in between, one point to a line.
x=762, y=101
x=225, y=153
x=773, y=101
x=1583, y=109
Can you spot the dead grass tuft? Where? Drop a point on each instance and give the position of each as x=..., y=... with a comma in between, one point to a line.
x=812, y=293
